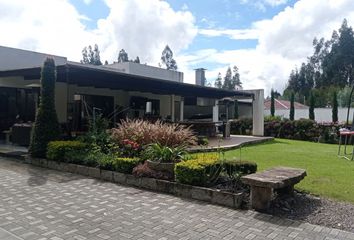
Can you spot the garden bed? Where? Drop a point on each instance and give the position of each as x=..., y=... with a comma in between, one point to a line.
x=211, y=195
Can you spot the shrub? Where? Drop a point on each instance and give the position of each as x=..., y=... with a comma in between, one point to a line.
x=145, y=133
x=130, y=148
x=240, y=167
x=270, y=118
x=46, y=127
x=97, y=135
x=62, y=150
x=306, y=129
x=143, y=170
x=125, y=165
x=158, y=153
x=198, y=171
x=105, y=161
x=241, y=126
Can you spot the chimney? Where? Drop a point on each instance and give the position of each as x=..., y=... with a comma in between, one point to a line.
x=200, y=76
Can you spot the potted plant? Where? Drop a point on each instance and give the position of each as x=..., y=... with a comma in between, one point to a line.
x=163, y=158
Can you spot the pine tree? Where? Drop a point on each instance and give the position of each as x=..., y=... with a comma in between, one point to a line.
x=96, y=56
x=137, y=60
x=236, y=78
x=46, y=127
x=334, y=107
x=292, y=107
x=123, y=56
x=228, y=80
x=167, y=59
x=218, y=81
x=312, y=106
x=272, y=103
x=90, y=56
x=85, y=59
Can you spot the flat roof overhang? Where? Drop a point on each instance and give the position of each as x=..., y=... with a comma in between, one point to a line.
x=100, y=77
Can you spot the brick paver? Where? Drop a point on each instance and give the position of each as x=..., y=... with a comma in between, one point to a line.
x=37, y=203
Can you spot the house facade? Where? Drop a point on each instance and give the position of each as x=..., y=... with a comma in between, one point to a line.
x=116, y=91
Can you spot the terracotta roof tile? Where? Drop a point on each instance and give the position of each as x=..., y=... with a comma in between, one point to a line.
x=283, y=104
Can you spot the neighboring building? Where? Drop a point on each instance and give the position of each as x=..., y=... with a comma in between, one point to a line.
x=282, y=105
x=118, y=91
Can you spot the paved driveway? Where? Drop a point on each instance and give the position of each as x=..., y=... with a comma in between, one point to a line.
x=37, y=203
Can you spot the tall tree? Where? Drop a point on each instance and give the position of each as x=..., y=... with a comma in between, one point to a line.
x=85, y=58
x=334, y=107
x=123, y=56
x=218, y=81
x=228, y=84
x=96, y=60
x=91, y=56
x=137, y=60
x=236, y=81
x=272, y=103
x=312, y=106
x=46, y=127
x=330, y=66
x=167, y=59
x=292, y=107
x=339, y=62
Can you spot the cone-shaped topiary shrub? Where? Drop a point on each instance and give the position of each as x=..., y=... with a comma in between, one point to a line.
x=46, y=127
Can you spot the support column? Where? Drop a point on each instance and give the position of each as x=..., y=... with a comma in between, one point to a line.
x=216, y=111
x=258, y=112
x=173, y=108
x=181, y=110
x=261, y=197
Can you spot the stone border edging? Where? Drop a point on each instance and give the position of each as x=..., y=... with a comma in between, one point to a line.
x=230, y=147
x=214, y=196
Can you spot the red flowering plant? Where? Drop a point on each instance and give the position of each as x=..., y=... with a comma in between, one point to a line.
x=130, y=148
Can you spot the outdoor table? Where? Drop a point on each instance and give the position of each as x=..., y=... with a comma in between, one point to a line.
x=345, y=133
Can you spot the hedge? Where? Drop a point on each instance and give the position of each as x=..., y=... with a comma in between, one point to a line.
x=123, y=165
x=61, y=150
x=302, y=129
x=126, y=165
x=240, y=167
x=197, y=172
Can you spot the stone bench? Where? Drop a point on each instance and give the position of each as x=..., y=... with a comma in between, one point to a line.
x=263, y=183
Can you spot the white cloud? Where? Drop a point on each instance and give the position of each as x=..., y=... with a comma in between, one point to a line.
x=142, y=28
x=241, y=34
x=262, y=5
x=283, y=42
x=41, y=25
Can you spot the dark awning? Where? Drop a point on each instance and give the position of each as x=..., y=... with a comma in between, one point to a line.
x=100, y=77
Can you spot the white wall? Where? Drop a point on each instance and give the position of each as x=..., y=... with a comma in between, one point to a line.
x=147, y=71
x=321, y=114
x=12, y=58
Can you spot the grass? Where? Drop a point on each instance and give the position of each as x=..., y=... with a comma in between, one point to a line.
x=327, y=174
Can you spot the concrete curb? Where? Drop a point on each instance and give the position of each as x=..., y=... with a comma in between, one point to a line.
x=214, y=196
x=230, y=147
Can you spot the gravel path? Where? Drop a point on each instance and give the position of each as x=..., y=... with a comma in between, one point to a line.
x=315, y=210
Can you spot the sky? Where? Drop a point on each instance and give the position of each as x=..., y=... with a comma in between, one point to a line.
x=265, y=39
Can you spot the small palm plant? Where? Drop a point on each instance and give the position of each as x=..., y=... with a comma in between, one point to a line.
x=164, y=154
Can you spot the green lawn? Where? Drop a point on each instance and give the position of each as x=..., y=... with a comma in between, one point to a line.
x=327, y=174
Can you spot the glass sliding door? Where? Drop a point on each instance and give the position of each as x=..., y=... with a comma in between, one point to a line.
x=16, y=105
